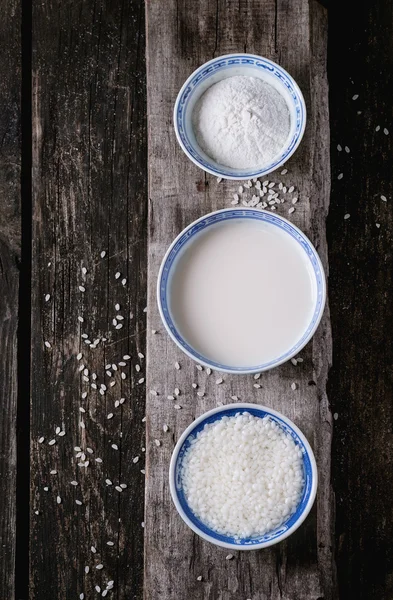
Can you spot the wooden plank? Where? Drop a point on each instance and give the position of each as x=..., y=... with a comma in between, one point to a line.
x=361, y=290
x=10, y=234
x=294, y=34
x=89, y=196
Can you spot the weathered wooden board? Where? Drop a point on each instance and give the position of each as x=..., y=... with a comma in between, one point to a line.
x=89, y=196
x=10, y=233
x=178, y=40
x=361, y=292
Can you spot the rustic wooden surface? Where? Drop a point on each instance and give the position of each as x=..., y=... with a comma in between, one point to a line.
x=89, y=196
x=303, y=566
x=10, y=233
x=361, y=292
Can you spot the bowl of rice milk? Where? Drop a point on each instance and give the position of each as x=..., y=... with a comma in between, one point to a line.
x=241, y=290
x=243, y=476
x=239, y=116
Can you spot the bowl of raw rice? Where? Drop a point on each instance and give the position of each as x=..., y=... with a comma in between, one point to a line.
x=243, y=476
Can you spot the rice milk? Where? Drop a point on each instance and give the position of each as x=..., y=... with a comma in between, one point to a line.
x=242, y=293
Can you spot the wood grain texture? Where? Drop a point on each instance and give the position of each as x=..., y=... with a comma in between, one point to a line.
x=361, y=289
x=10, y=238
x=89, y=196
x=294, y=34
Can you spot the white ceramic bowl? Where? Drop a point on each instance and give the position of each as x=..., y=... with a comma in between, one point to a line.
x=169, y=263
x=228, y=66
x=256, y=542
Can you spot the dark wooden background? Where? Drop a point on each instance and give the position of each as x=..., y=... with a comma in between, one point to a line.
x=67, y=63
x=360, y=61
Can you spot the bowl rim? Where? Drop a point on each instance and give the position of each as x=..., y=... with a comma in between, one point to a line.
x=257, y=173
x=245, y=371
x=243, y=406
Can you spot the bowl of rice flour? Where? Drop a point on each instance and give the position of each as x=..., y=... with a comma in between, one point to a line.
x=239, y=116
x=243, y=476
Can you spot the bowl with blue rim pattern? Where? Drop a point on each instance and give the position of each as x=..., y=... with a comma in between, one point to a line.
x=256, y=542
x=184, y=240
x=223, y=67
